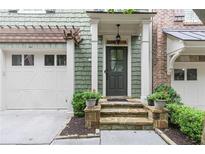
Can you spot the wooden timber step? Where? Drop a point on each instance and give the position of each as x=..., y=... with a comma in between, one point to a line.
x=121, y=105
x=125, y=123
x=123, y=112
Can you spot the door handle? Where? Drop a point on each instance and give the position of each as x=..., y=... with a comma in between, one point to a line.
x=105, y=71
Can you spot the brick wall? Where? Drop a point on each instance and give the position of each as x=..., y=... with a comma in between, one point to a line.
x=164, y=19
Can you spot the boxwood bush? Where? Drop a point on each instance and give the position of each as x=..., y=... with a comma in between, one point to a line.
x=172, y=96
x=189, y=120
x=79, y=101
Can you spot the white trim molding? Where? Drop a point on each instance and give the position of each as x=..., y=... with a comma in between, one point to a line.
x=70, y=52
x=129, y=68
x=146, y=76
x=2, y=82
x=171, y=58
x=94, y=54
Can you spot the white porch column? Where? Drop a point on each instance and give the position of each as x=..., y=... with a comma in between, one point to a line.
x=2, y=73
x=94, y=54
x=146, y=61
x=70, y=53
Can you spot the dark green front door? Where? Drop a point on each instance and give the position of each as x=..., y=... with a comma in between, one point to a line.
x=116, y=71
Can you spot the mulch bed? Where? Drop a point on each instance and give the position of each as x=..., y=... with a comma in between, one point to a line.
x=76, y=126
x=177, y=136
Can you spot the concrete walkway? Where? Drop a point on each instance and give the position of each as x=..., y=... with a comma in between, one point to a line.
x=118, y=138
x=31, y=126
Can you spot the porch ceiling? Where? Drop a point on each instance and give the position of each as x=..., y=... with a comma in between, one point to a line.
x=125, y=29
x=130, y=24
x=120, y=18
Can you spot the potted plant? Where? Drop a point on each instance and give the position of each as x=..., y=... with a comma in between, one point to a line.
x=90, y=102
x=160, y=99
x=150, y=100
x=91, y=98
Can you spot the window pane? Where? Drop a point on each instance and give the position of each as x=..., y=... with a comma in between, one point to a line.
x=178, y=74
x=113, y=55
x=119, y=54
x=49, y=60
x=117, y=66
x=28, y=60
x=190, y=16
x=61, y=60
x=191, y=74
x=16, y=60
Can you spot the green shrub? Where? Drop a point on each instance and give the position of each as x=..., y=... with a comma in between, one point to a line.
x=79, y=101
x=159, y=96
x=189, y=120
x=172, y=96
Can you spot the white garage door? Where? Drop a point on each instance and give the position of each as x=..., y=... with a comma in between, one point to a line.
x=36, y=80
x=188, y=79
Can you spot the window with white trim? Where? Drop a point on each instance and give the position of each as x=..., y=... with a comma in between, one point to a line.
x=16, y=60
x=61, y=60
x=28, y=60
x=191, y=17
x=179, y=74
x=191, y=74
x=49, y=60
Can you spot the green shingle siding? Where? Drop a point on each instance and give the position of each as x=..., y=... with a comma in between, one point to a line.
x=136, y=67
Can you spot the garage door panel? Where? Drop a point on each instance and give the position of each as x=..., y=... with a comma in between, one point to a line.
x=13, y=98
x=62, y=98
x=38, y=99
x=62, y=81
x=191, y=92
x=48, y=80
x=37, y=87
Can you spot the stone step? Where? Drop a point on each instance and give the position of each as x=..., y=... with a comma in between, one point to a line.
x=121, y=105
x=123, y=112
x=125, y=123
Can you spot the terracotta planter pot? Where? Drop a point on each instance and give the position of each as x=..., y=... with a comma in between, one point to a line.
x=90, y=102
x=159, y=104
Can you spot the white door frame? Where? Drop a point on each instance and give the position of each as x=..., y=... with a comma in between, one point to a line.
x=129, y=66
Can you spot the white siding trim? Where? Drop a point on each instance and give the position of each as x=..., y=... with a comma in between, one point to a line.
x=94, y=54
x=71, y=69
x=104, y=66
x=2, y=82
x=145, y=61
x=129, y=68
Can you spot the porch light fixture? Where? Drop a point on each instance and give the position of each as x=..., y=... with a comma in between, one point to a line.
x=118, y=38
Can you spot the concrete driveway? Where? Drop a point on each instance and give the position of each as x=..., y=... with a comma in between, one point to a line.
x=31, y=126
